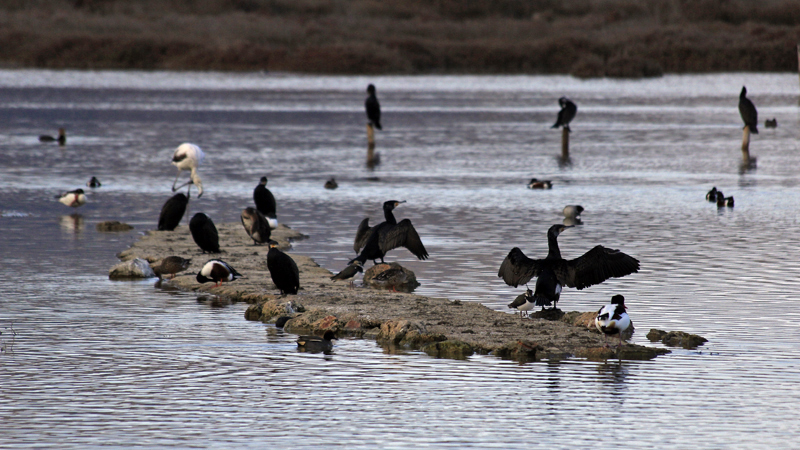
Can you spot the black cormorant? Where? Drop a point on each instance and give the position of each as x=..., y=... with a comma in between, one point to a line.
x=523, y=303
x=373, y=108
x=74, y=198
x=93, y=183
x=256, y=225
x=316, y=344
x=553, y=272
x=612, y=318
x=172, y=212
x=567, y=113
x=748, y=111
x=349, y=272
x=540, y=184
x=61, y=139
x=378, y=240
x=204, y=233
x=218, y=271
x=265, y=203
x=283, y=270
x=171, y=265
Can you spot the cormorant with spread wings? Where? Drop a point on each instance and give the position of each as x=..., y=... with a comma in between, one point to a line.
x=376, y=241
x=554, y=272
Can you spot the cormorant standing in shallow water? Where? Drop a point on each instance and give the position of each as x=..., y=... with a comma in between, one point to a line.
x=172, y=212
x=256, y=225
x=748, y=111
x=218, y=271
x=373, y=108
x=567, y=113
x=283, y=270
x=265, y=203
x=378, y=240
x=553, y=272
x=612, y=318
x=204, y=233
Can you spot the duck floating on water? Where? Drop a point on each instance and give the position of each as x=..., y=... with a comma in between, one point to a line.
x=613, y=319
x=712, y=194
x=218, y=271
x=723, y=201
x=539, y=184
x=572, y=211
x=74, y=198
x=771, y=123
x=61, y=139
x=331, y=184
x=316, y=344
x=93, y=183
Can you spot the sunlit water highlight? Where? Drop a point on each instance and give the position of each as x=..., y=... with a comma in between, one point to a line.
x=88, y=362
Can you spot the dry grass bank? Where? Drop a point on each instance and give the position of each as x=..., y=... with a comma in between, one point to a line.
x=624, y=38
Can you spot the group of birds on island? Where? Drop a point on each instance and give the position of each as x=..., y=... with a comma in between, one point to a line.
x=552, y=273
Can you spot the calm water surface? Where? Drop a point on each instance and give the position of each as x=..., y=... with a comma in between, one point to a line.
x=87, y=362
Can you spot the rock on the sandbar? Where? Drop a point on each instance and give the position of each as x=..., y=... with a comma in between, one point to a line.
x=676, y=339
x=390, y=276
x=113, y=225
x=135, y=268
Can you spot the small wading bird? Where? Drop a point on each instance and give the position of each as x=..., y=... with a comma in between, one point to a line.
x=218, y=271
x=265, y=203
x=349, y=272
x=170, y=266
x=256, y=225
x=172, y=212
x=567, y=113
x=612, y=318
x=74, y=198
x=316, y=344
x=554, y=272
x=378, y=240
x=61, y=139
x=539, y=184
x=93, y=183
x=204, y=233
x=523, y=303
x=283, y=270
x=188, y=157
x=373, y=108
x=748, y=111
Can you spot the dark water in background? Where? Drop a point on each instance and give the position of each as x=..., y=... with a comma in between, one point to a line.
x=89, y=362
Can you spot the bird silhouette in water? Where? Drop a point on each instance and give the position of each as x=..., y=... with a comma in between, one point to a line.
x=378, y=240
x=567, y=113
x=265, y=203
x=373, y=108
x=748, y=111
x=554, y=272
x=61, y=139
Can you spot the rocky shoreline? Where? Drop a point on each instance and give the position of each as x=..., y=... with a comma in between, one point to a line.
x=437, y=326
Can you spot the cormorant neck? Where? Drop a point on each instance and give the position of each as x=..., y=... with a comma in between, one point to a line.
x=387, y=213
x=552, y=245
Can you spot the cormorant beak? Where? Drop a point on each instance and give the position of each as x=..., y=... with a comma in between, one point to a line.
x=396, y=204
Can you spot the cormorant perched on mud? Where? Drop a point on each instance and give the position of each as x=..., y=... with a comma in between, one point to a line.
x=748, y=111
x=373, y=108
x=567, y=113
x=265, y=202
x=172, y=212
x=256, y=225
x=204, y=233
x=554, y=272
x=612, y=318
x=283, y=270
x=378, y=240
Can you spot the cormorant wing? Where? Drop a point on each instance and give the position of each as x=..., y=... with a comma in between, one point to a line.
x=595, y=266
x=402, y=235
x=518, y=269
x=362, y=235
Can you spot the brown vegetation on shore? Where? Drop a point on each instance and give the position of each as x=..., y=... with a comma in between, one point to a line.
x=621, y=38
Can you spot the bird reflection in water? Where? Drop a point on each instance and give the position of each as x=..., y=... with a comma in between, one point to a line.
x=72, y=222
